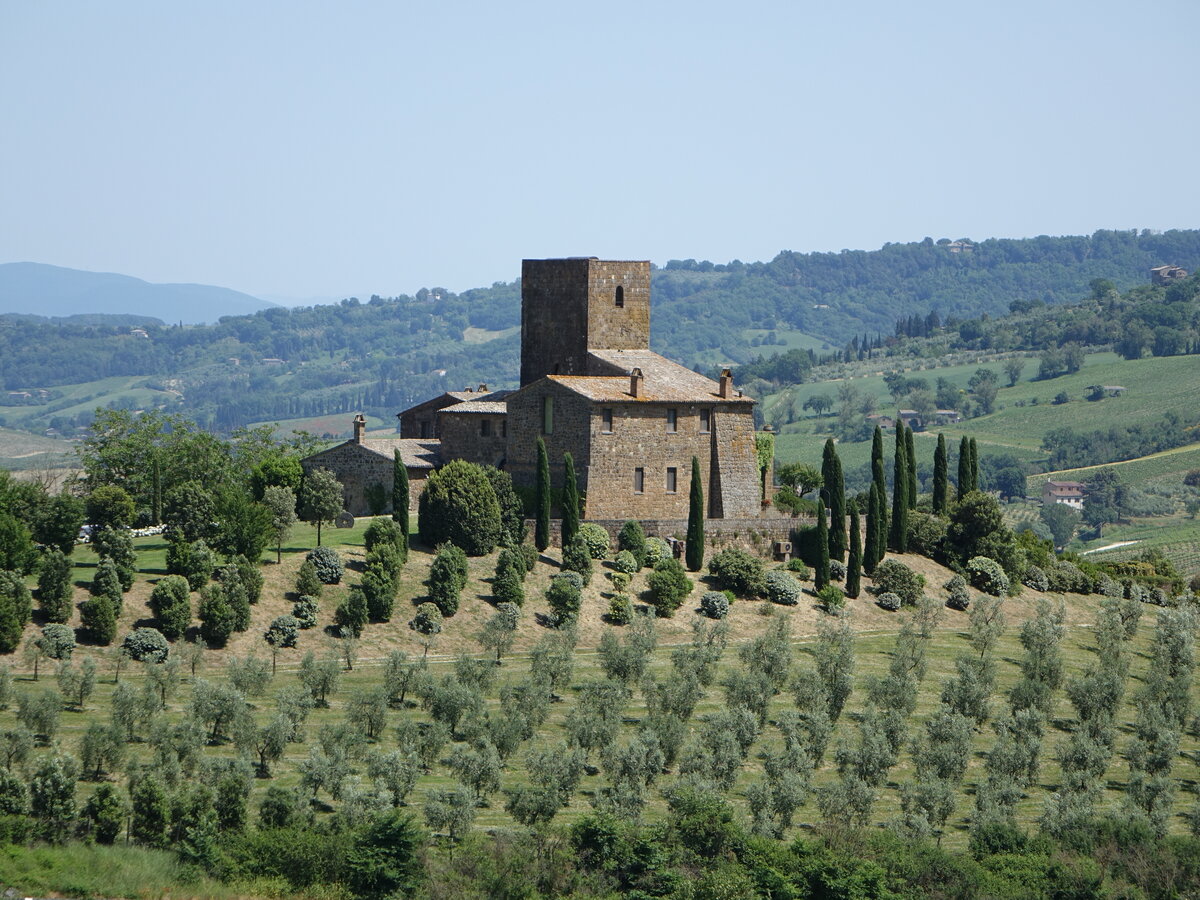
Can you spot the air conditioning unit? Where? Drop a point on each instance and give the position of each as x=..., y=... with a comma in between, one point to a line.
x=783, y=548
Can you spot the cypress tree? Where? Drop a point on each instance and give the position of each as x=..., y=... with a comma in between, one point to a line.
x=400, y=496
x=541, y=529
x=694, y=550
x=570, y=501
x=871, y=549
x=854, y=566
x=964, y=467
x=835, y=490
x=910, y=456
x=155, y=490
x=877, y=476
x=940, y=477
x=974, y=466
x=821, y=572
x=899, y=523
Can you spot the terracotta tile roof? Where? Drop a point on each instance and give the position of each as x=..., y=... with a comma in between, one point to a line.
x=664, y=381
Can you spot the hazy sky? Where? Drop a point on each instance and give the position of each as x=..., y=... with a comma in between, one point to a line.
x=336, y=149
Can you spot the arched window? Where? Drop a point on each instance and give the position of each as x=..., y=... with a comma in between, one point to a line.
x=620, y=296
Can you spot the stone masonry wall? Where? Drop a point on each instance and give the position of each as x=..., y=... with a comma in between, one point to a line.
x=357, y=468
x=736, y=463
x=463, y=438
x=618, y=328
x=553, y=318
x=572, y=420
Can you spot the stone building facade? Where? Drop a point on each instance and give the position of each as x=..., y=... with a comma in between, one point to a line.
x=589, y=385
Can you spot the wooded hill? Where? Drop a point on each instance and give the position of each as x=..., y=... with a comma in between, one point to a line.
x=383, y=354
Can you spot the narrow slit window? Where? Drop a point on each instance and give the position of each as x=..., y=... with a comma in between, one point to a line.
x=639, y=480
x=672, y=420
x=705, y=421
x=672, y=479
x=620, y=297
x=547, y=415
x=485, y=428
x=606, y=421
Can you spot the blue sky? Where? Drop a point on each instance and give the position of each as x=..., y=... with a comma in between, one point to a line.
x=312, y=150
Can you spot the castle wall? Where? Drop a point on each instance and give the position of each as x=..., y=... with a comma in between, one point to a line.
x=610, y=327
x=357, y=468
x=572, y=422
x=739, y=493
x=463, y=438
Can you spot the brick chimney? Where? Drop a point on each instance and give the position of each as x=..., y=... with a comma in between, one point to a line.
x=360, y=427
x=726, y=390
x=636, y=382
x=483, y=389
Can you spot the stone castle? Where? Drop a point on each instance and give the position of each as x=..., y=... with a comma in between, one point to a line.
x=589, y=386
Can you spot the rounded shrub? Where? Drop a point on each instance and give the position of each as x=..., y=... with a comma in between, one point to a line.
x=146, y=645
x=1135, y=590
x=987, y=576
x=307, y=582
x=563, y=596
x=459, y=505
x=1035, y=578
x=889, y=601
x=656, y=551
x=832, y=598
x=620, y=581
x=620, y=609
x=668, y=586
x=1109, y=586
x=633, y=539
x=305, y=610
x=837, y=570
x=577, y=558
x=171, y=606
x=897, y=578
x=798, y=569
x=1064, y=575
x=740, y=572
x=782, y=588
x=596, y=539
x=714, y=604
x=284, y=632
x=625, y=562
x=382, y=531
x=327, y=563
x=960, y=597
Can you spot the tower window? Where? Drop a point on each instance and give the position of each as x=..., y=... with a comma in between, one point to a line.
x=485, y=427
x=672, y=479
x=672, y=420
x=547, y=415
x=639, y=480
x=606, y=421
x=620, y=296
x=705, y=421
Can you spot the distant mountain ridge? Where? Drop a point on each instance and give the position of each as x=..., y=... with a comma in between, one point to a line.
x=44, y=290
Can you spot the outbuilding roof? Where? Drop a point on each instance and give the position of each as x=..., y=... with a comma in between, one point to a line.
x=663, y=381
x=414, y=453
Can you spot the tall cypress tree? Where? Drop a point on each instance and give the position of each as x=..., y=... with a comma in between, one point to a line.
x=910, y=457
x=694, y=550
x=821, y=572
x=871, y=548
x=974, y=466
x=570, y=502
x=400, y=495
x=940, y=477
x=899, y=523
x=835, y=490
x=541, y=529
x=854, y=565
x=880, y=480
x=964, y=467
x=155, y=489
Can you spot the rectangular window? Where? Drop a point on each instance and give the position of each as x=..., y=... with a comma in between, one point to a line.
x=485, y=427
x=547, y=415
x=639, y=480
x=606, y=421
x=672, y=479
x=672, y=420
x=504, y=428
x=705, y=421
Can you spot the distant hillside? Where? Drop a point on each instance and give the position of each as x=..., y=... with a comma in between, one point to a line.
x=382, y=354
x=43, y=290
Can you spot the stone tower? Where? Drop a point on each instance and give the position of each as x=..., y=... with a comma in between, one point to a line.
x=569, y=306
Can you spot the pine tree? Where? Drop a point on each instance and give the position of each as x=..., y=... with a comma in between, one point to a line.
x=940, y=477
x=400, y=495
x=964, y=467
x=974, y=466
x=694, y=550
x=835, y=490
x=878, y=477
x=910, y=457
x=821, y=573
x=541, y=530
x=899, y=523
x=871, y=548
x=854, y=565
x=570, y=501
